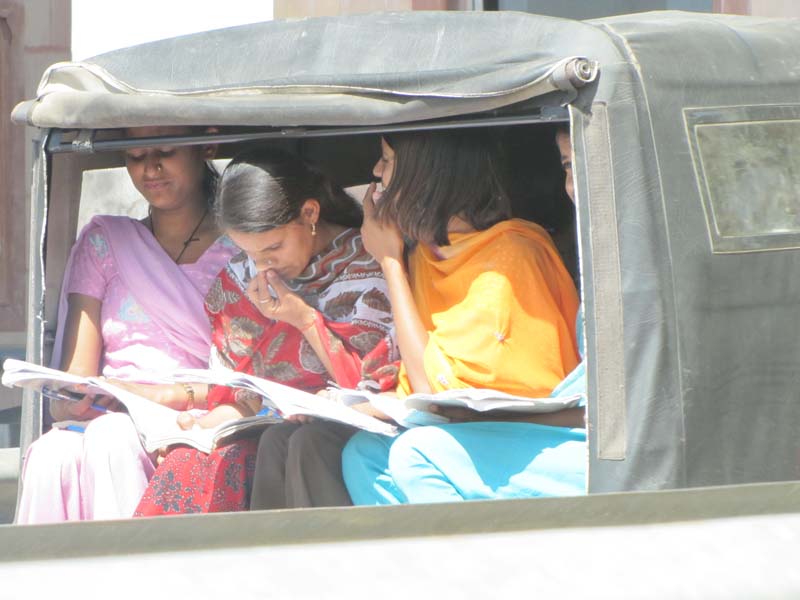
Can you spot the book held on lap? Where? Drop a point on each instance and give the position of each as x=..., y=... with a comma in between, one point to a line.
x=157, y=425
x=414, y=410
x=287, y=400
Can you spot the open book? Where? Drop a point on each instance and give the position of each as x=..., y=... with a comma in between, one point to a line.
x=287, y=400
x=157, y=425
x=415, y=410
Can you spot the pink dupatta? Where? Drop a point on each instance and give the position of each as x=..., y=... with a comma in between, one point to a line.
x=157, y=284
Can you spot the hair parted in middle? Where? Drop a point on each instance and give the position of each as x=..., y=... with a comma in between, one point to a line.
x=441, y=174
x=265, y=188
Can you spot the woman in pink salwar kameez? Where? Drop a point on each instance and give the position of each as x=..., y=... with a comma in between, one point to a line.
x=131, y=303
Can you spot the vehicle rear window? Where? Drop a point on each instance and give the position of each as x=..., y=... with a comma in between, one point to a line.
x=749, y=177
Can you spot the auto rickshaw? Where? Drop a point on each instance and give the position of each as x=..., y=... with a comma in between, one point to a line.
x=686, y=141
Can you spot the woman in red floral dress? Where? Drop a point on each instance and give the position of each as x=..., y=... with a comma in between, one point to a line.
x=303, y=304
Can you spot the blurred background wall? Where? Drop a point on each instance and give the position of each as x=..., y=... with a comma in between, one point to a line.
x=33, y=35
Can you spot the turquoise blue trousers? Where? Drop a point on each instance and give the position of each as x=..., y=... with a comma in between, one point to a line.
x=466, y=461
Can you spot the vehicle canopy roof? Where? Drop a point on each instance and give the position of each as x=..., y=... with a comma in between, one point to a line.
x=358, y=70
x=399, y=67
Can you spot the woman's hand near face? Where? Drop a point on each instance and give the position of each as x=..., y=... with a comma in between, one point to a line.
x=285, y=305
x=288, y=307
x=385, y=243
x=382, y=240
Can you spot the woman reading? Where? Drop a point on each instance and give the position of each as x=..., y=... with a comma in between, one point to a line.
x=483, y=301
x=303, y=304
x=131, y=304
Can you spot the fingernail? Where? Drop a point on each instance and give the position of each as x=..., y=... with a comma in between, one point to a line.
x=376, y=195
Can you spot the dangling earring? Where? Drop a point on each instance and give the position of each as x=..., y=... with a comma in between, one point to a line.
x=313, y=229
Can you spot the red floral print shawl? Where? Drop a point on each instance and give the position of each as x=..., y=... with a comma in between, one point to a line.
x=346, y=286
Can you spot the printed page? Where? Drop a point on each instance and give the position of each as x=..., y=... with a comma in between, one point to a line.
x=288, y=400
x=20, y=373
x=157, y=425
x=483, y=400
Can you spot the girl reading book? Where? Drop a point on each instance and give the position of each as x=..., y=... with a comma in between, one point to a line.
x=131, y=303
x=483, y=301
x=303, y=304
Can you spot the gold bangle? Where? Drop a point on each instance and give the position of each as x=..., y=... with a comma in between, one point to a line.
x=189, y=396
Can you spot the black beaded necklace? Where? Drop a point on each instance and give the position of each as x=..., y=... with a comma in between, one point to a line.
x=187, y=241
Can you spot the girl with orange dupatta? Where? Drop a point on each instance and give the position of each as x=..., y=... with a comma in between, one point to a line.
x=484, y=301
x=303, y=304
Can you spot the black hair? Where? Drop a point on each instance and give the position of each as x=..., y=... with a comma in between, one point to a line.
x=264, y=188
x=210, y=182
x=441, y=174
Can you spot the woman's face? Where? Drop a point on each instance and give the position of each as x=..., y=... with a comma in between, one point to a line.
x=286, y=249
x=384, y=168
x=565, y=149
x=168, y=177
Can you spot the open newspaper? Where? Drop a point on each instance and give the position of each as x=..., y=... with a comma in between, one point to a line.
x=412, y=411
x=157, y=424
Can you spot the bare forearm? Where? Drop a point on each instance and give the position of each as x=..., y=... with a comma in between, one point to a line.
x=82, y=344
x=81, y=349
x=172, y=395
x=312, y=336
x=412, y=337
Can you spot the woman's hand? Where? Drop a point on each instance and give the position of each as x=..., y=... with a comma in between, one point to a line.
x=160, y=455
x=299, y=419
x=186, y=421
x=382, y=240
x=218, y=415
x=285, y=306
x=85, y=409
x=385, y=243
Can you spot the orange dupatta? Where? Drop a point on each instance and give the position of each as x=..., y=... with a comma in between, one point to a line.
x=500, y=308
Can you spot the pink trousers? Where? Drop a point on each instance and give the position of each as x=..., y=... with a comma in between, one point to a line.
x=71, y=476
